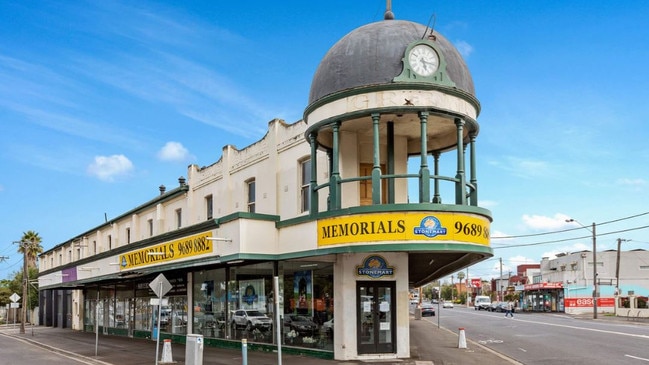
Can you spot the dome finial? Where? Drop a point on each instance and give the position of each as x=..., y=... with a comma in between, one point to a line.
x=389, y=15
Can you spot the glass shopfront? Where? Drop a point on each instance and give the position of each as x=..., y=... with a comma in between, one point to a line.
x=239, y=303
x=126, y=307
x=226, y=303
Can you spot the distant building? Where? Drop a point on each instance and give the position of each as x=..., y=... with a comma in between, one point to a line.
x=623, y=275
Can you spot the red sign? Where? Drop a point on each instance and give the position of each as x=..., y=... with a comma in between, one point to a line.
x=476, y=283
x=588, y=302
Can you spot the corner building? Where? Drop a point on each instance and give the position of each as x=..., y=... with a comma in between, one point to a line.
x=373, y=193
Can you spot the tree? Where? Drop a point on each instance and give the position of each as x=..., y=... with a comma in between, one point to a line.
x=30, y=247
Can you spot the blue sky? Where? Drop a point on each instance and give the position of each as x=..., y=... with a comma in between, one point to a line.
x=101, y=102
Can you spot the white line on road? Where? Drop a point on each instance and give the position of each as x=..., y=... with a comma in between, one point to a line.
x=637, y=358
x=522, y=349
x=580, y=328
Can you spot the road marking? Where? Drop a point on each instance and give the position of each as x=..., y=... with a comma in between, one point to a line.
x=522, y=349
x=578, y=328
x=637, y=358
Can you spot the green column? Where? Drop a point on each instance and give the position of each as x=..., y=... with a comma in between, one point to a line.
x=460, y=195
x=390, y=167
x=376, y=168
x=436, y=197
x=424, y=173
x=334, y=184
x=473, y=197
x=313, y=193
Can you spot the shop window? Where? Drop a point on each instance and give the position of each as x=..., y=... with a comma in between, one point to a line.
x=308, y=304
x=209, y=306
x=250, y=302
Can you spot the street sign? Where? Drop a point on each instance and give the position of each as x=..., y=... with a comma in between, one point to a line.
x=15, y=305
x=160, y=285
x=156, y=301
x=14, y=297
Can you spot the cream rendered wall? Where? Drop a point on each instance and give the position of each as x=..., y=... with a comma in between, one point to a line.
x=299, y=237
x=345, y=279
x=348, y=165
x=401, y=167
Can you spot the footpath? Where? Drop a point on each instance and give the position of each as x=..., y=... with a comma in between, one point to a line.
x=430, y=345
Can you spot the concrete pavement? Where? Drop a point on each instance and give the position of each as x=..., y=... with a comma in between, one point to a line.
x=430, y=345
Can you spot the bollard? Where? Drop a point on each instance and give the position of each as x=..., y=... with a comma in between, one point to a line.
x=244, y=351
x=462, y=339
x=167, y=357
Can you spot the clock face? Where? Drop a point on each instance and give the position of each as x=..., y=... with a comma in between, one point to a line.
x=423, y=60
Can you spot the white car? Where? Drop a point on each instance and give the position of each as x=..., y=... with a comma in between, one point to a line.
x=251, y=319
x=447, y=304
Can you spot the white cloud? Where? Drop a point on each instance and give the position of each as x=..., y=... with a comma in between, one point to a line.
x=107, y=168
x=540, y=222
x=175, y=152
x=464, y=48
x=632, y=182
x=577, y=247
x=524, y=168
x=488, y=203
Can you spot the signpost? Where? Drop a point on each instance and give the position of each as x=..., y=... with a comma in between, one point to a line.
x=14, y=298
x=160, y=286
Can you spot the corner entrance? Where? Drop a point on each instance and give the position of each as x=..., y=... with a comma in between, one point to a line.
x=375, y=319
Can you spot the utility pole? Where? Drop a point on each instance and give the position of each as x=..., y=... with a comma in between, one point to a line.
x=500, y=281
x=595, y=288
x=617, y=266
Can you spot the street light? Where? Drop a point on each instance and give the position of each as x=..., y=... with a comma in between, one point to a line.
x=595, y=289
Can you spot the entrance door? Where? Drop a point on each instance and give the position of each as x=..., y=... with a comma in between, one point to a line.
x=376, y=317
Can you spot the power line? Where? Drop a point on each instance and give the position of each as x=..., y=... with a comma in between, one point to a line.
x=570, y=239
x=570, y=229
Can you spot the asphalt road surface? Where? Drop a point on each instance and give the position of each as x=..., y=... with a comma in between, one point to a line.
x=552, y=338
x=18, y=351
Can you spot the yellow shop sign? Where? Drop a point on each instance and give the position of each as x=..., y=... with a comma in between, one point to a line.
x=405, y=226
x=169, y=251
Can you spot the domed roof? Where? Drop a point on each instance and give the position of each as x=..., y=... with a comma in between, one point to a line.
x=372, y=55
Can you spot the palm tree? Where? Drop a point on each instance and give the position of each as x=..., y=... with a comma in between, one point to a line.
x=30, y=247
x=460, y=277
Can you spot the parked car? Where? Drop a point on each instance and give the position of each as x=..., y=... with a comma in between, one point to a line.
x=427, y=309
x=300, y=324
x=447, y=304
x=499, y=307
x=250, y=319
x=328, y=327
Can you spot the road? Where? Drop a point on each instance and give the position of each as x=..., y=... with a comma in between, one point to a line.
x=546, y=338
x=17, y=351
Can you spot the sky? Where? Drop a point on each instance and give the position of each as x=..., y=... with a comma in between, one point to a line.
x=101, y=102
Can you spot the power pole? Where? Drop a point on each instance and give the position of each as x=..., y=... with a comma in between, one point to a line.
x=500, y=281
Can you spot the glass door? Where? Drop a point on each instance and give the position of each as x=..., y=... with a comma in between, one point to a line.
x=375, y=317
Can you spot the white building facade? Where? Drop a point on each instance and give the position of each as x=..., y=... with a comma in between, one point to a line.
x=622, y=281
x=327, y=206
